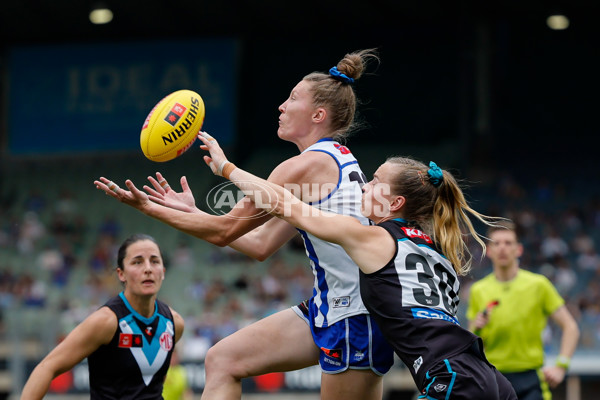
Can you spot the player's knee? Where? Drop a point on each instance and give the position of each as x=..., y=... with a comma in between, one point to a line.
x=221, y=363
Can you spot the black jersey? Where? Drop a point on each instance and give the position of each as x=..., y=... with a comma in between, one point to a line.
x=134, y=364
x=414, y=299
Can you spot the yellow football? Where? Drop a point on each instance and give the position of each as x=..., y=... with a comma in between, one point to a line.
x=172, y=126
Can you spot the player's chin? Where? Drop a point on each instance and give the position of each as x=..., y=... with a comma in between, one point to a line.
x=149, y=288
x=280, y=133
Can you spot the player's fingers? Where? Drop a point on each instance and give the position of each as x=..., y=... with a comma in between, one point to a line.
x=207, y=136
x=108, y=186
x=184, y=184
x=155, y=184
x=152, y=192
x=164, y=184
x=210, y=163
x=157, y=200
x=100, y=185
x=134, y=190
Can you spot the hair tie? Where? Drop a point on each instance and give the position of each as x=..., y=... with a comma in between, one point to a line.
x=436, y=176
x=340, y=76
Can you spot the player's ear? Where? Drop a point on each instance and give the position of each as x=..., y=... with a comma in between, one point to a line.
x=519, y=250
x=319, y=115
x=397, y=203
x=121, y=275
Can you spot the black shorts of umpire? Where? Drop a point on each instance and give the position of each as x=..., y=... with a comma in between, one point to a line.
x=467, y=375
x=527, y=384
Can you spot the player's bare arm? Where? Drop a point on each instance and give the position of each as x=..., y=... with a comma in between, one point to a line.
x=179, y=324
x=94, y=331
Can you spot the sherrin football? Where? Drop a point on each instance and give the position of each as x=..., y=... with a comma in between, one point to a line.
x=172, y=126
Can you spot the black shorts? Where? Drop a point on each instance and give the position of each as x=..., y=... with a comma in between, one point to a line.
x=528, y=384
x=467, y=375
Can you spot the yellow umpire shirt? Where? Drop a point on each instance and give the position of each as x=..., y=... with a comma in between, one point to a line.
x=175, y=383
x=513, y=337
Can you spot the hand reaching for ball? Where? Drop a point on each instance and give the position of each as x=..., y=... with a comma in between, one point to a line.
x=217, y=161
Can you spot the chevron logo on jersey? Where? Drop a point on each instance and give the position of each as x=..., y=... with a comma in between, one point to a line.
x=152, y=356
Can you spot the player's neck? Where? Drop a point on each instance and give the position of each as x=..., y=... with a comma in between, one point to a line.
x=506, y=273
x=144, y=305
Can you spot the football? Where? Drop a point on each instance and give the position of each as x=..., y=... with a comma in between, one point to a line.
x=172, y=126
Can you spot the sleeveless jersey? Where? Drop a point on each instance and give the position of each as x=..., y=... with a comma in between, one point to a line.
x=414, y=299
x=336, y=290
x=134, y=364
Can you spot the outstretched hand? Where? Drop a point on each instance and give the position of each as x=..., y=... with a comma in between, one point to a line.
x=217, y=159
x=163, y=194
x=132, y=197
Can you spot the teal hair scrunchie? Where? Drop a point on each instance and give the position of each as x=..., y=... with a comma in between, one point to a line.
x=340, y=76
x=436, y=176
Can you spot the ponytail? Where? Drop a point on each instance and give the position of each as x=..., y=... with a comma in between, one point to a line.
x=451, y=220
x=435, y=200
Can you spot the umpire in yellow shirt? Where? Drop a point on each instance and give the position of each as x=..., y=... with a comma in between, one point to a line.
x=176, y=386
x=509, y=309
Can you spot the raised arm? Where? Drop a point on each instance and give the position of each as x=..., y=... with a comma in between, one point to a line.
x=259, y=243
x=216, y=229
x=371, y=247
x=221, y=229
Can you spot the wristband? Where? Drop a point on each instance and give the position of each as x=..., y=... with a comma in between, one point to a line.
x=563, y=362
x=228, y=169
x=220, y=167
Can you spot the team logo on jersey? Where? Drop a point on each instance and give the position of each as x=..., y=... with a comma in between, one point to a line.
x=415, y=233
x=332, y=356
x=342, y=149
x=175, y=113
x=440, y=387
x=149, y=330
x=428, y=313
x=341, y=302
x=129, y=340
x=359, y=355
x=335, y=353
x=166, y=341
x=417, y=364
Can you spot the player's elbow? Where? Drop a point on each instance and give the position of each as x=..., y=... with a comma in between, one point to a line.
x=573, y=329
x=261, y=255
x=257, y=252
x=220, y=240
